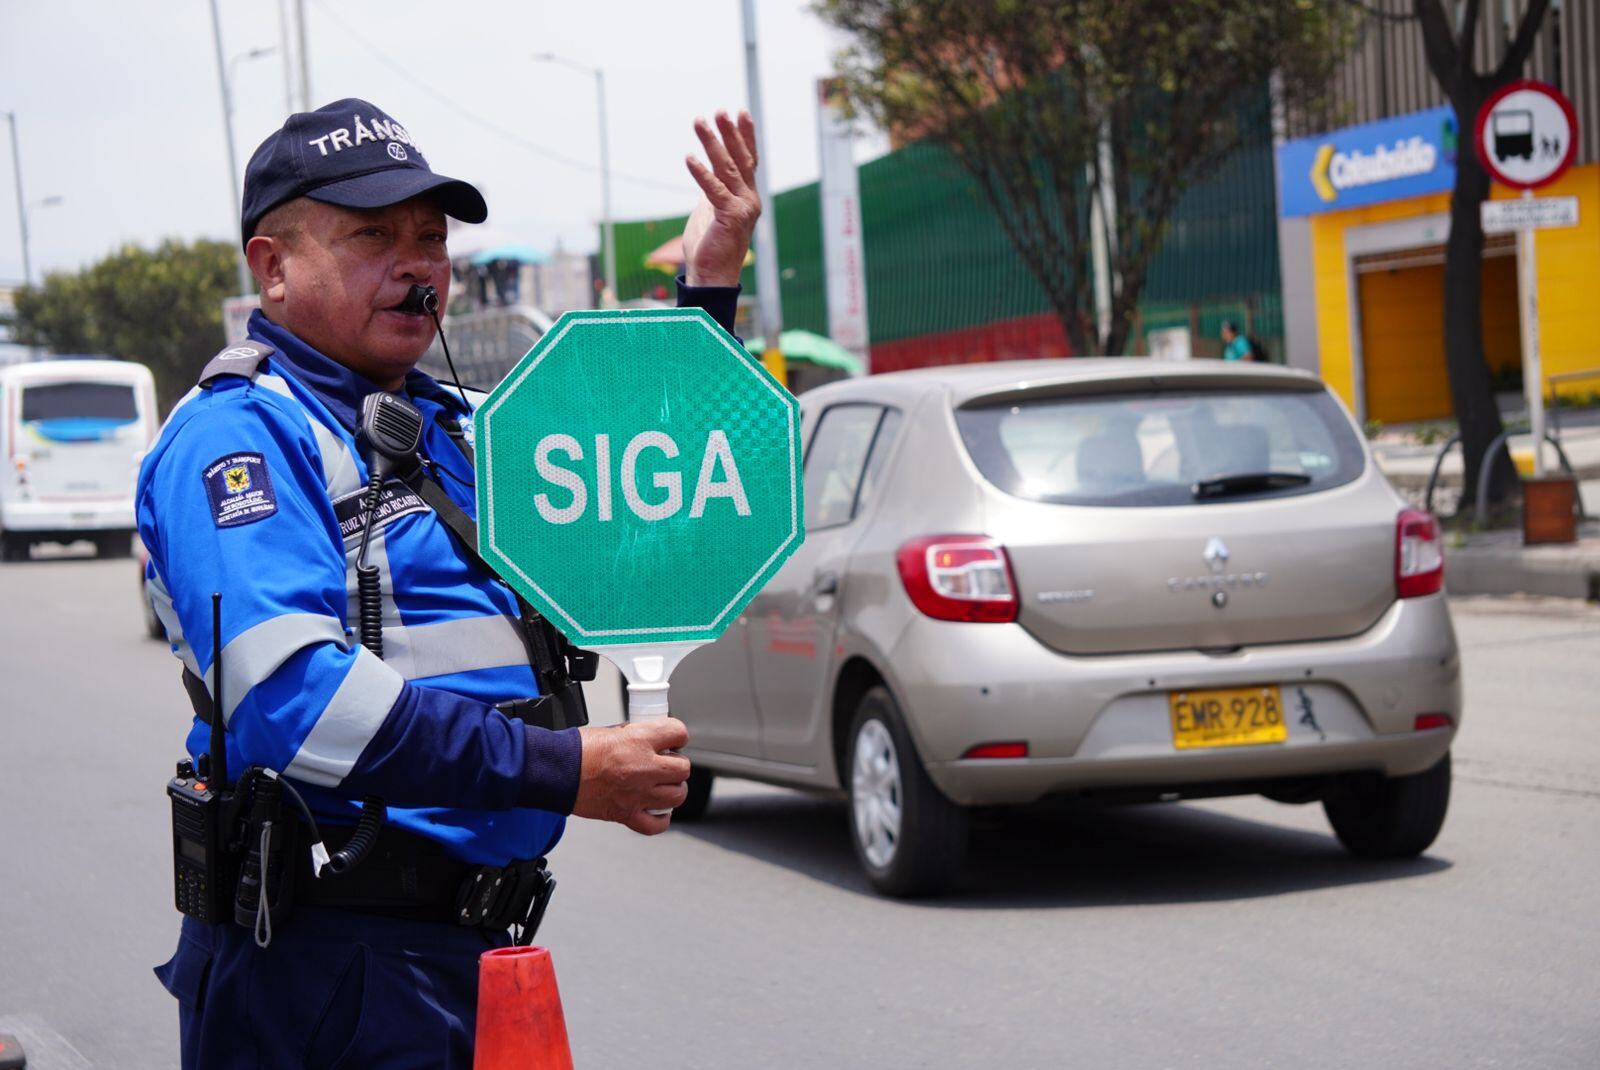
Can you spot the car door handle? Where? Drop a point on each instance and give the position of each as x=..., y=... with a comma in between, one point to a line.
x=826, y=583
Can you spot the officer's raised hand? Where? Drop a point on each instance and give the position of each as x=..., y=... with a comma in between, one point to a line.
x=717, y=236
x=626, y=773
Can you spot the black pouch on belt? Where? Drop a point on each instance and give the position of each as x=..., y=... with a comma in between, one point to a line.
x=406, y=876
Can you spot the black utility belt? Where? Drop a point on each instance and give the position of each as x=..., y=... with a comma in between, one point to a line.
x=409, y=877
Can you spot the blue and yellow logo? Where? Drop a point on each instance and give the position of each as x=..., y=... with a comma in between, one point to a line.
x=237, y=480
x=1319, y=174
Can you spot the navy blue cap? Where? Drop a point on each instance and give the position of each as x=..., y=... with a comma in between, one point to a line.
x=352, y=154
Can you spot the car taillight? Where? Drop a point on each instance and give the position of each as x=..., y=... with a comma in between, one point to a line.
x=1418, y=554
x=959, y=577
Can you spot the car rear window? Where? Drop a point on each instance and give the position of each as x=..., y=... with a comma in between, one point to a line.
x=77, y=401
x=1163, y=448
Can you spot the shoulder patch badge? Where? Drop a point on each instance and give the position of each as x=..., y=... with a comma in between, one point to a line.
x=240, y=489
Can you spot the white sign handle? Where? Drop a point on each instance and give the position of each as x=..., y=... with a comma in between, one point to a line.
x=648, y=669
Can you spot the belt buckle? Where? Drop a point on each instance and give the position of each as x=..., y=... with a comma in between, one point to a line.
x=481, y=895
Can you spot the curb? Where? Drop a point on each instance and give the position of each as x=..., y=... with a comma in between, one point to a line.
x=1409, y=479
x=1508, y=567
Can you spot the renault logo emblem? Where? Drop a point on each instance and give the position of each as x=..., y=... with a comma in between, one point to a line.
x=1216, y=554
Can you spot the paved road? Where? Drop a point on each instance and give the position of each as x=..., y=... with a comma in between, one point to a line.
x=1232, y=933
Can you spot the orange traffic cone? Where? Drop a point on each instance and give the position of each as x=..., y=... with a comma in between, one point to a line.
x=520, y=1024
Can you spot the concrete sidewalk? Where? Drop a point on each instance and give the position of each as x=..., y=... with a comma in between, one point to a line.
x=1407, y=460
x=1496, y=562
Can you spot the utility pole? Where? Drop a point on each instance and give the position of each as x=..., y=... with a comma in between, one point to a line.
x=233, y=160
x=305, y=56
x=770, y=302
x=22, y=208
x=286, y=42
x=608, y=255
x=605, y=186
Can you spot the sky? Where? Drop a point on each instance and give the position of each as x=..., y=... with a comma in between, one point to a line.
x=119, y=111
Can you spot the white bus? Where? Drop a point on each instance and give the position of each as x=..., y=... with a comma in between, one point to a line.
x=72, y=434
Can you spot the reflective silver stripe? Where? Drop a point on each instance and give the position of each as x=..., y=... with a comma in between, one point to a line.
x=349, y=721
x=161, y=602
x=423, y=650
x=194, y=392
x=338, y=463
x=254, y=655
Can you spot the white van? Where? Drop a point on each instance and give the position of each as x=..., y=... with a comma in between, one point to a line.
x=72, y=434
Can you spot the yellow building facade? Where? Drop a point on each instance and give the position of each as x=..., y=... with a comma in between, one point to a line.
x=1380, y=305
x=1377, y=270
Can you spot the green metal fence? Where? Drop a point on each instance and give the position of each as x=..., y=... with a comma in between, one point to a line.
x=937, y=259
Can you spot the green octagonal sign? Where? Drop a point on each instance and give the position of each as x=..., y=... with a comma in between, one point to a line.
x=638, y=476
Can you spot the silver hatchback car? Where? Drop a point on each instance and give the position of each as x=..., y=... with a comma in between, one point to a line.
x=1114, y=578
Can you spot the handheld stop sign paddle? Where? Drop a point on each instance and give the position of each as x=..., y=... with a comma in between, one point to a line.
x=638, y=480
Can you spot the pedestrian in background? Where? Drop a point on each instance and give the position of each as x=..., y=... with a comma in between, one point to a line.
x=1236, y=345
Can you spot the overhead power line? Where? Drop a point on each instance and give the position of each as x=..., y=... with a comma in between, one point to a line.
x=478, y=120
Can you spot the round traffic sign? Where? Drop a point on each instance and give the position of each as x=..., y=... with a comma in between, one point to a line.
x=1527, y=134
x=638, y=476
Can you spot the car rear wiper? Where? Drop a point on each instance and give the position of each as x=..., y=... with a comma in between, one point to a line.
x=1246, y=482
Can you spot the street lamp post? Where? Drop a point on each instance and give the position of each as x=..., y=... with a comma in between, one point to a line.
x=22, y=211
x=44, y=202
x=233, y=65
x=609, y=253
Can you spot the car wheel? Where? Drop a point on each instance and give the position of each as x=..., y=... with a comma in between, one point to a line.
x=694, y=807
x=908, y=837
x=13, y=547
x=113, y=544
x=152, y=623
x=1390, y=817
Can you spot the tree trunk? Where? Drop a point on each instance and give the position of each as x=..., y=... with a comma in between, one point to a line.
x=1471, y=387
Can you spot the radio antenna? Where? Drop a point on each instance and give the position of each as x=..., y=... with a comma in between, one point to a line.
x=219, y=746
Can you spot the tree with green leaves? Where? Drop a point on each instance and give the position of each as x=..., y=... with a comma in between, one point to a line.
x=160, y=307
x=1052, y=104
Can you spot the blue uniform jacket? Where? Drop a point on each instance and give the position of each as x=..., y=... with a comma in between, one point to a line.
x=252, y=490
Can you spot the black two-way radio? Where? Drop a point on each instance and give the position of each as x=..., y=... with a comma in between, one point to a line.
x=205, y=814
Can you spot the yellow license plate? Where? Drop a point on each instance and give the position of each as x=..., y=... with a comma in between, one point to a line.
x=1227, y=717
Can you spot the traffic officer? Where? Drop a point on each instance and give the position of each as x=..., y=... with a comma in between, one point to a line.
x=256, y=490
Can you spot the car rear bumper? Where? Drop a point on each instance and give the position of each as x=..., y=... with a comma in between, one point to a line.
x=1101, y=722
x=64, y=518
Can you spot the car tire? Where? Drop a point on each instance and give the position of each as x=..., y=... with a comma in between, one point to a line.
x=908, y=837
x=694, y=807
x=152, y=623
x=113, y=544
x=13, y=547
x=1390, y=817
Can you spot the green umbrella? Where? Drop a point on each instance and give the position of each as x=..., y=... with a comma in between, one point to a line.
x=811, y=348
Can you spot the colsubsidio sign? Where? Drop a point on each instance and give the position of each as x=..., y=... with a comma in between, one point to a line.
x=1368, y=164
